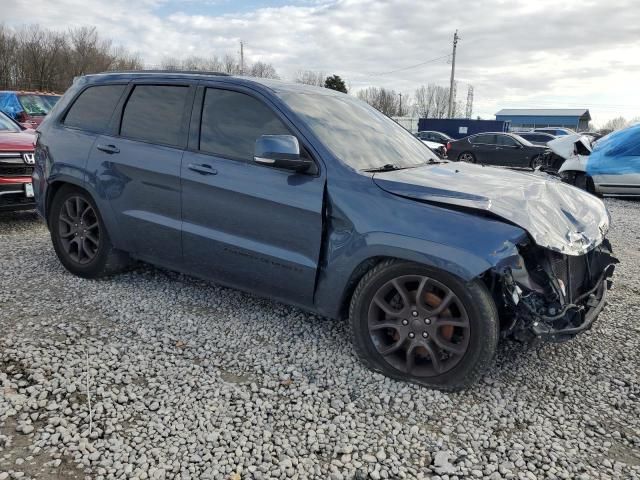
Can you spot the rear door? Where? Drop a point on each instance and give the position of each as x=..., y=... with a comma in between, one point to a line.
x=484, y=148
x=137, y=167
x=245, y=224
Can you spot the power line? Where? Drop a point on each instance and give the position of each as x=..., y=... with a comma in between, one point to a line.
x=411, y=66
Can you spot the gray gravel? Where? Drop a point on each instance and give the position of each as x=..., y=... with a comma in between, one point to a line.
x=151, y=374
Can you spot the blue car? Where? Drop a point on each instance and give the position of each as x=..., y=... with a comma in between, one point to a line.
x=311, y=197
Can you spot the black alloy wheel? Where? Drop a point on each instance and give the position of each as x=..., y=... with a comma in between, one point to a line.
x=419, y=325
x=79, y=230
x=80, y=237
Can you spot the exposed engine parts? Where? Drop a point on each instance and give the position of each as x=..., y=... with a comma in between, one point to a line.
x=553, y=297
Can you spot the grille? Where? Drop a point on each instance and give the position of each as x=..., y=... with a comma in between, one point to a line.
x=9, y=170
x=572, y=271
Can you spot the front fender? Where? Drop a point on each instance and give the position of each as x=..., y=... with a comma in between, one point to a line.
x=344, y=263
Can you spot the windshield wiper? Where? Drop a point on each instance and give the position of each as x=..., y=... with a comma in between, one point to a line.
x=388, y=167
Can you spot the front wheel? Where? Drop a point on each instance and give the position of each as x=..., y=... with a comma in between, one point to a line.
x=79, y=236
x=423, y=325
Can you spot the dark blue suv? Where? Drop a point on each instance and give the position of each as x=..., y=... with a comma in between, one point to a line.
x=311, y=197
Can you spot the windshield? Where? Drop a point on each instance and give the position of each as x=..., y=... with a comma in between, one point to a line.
x=37, y=105
x=358, y=134
x=8, y=125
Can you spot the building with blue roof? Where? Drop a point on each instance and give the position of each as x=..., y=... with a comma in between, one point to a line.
x=527, y=118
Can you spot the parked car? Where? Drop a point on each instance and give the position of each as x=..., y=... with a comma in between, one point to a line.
x=27, y=108
x=314, y=198
x=555, y=131
x=496, y=148
x=435, y=137
x=608, y=166
x=537, y=138
x=437, y=148
x=16, y=165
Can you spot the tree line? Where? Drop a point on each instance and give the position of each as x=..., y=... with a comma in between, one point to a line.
x=36, y=58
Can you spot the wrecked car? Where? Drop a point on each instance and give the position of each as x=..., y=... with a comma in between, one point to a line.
x=312, y=197
x=607, y=166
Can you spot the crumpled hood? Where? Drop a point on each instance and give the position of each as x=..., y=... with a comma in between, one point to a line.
x=556, y=215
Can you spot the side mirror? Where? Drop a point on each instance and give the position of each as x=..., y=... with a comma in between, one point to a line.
x=280, y=151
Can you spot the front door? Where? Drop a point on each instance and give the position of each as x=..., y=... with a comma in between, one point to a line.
x=244, y=224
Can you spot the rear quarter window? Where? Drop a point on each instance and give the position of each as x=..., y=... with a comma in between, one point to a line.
x=92, y=110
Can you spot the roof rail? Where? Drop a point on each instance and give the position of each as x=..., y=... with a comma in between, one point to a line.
x=194, y=72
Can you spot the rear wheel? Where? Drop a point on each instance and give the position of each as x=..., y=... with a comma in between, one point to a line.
x=536, y=162
x=467, y=157
x=79, y=236
x=423, y=325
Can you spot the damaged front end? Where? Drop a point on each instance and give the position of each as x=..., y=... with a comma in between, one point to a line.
x=549, y=296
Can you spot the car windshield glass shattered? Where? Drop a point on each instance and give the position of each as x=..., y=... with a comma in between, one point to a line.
x=358, y=134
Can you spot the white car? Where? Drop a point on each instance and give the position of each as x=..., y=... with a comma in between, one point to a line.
x=608, y=166
x=437, y=148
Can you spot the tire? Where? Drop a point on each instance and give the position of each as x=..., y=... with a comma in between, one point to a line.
x=536, y=162
x=97, y=257
x=467, y=157
x=454, y=373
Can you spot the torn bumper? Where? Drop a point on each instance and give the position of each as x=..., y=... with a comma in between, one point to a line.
x=553, y=297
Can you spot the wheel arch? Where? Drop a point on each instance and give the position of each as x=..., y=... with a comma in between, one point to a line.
x=339, y=279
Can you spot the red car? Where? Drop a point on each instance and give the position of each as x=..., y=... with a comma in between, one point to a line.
x=16, y=165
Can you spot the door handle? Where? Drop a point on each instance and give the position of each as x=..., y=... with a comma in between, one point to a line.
x=108, y=148
x=203, y=169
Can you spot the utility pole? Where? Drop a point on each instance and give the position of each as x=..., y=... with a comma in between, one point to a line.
x=453, y=73
x=400, y=112
x=241, y=57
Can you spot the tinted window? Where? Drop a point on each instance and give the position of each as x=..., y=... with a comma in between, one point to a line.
x=232, y=122
x=506, y=141
x=92, y=110
x=489, y=139
x=154, y=113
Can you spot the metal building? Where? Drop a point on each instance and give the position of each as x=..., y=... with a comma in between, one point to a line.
x=526, y=118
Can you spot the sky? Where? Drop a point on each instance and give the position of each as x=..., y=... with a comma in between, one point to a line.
x=516, y=54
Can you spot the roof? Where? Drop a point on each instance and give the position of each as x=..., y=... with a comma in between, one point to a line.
x=544, y=112
x=278, y=86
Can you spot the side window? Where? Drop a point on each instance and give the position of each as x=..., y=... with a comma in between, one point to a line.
x=233, y=121
x=92, y=110
x=485, y=139
x=154, y=113
x=506, y=141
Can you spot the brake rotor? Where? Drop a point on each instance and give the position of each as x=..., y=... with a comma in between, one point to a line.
x=434, y=301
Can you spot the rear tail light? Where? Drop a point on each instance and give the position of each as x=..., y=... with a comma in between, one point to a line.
x=448, y=146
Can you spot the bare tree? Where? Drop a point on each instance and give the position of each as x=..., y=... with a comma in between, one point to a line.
x=40, y=59
x=309, y=77
x=382, y=99
x=263, y=70
x=617, y=123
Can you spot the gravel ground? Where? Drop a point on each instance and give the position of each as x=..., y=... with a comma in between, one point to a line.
x=151, y=374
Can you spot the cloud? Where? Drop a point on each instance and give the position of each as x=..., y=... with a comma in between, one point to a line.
x=522, y=53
